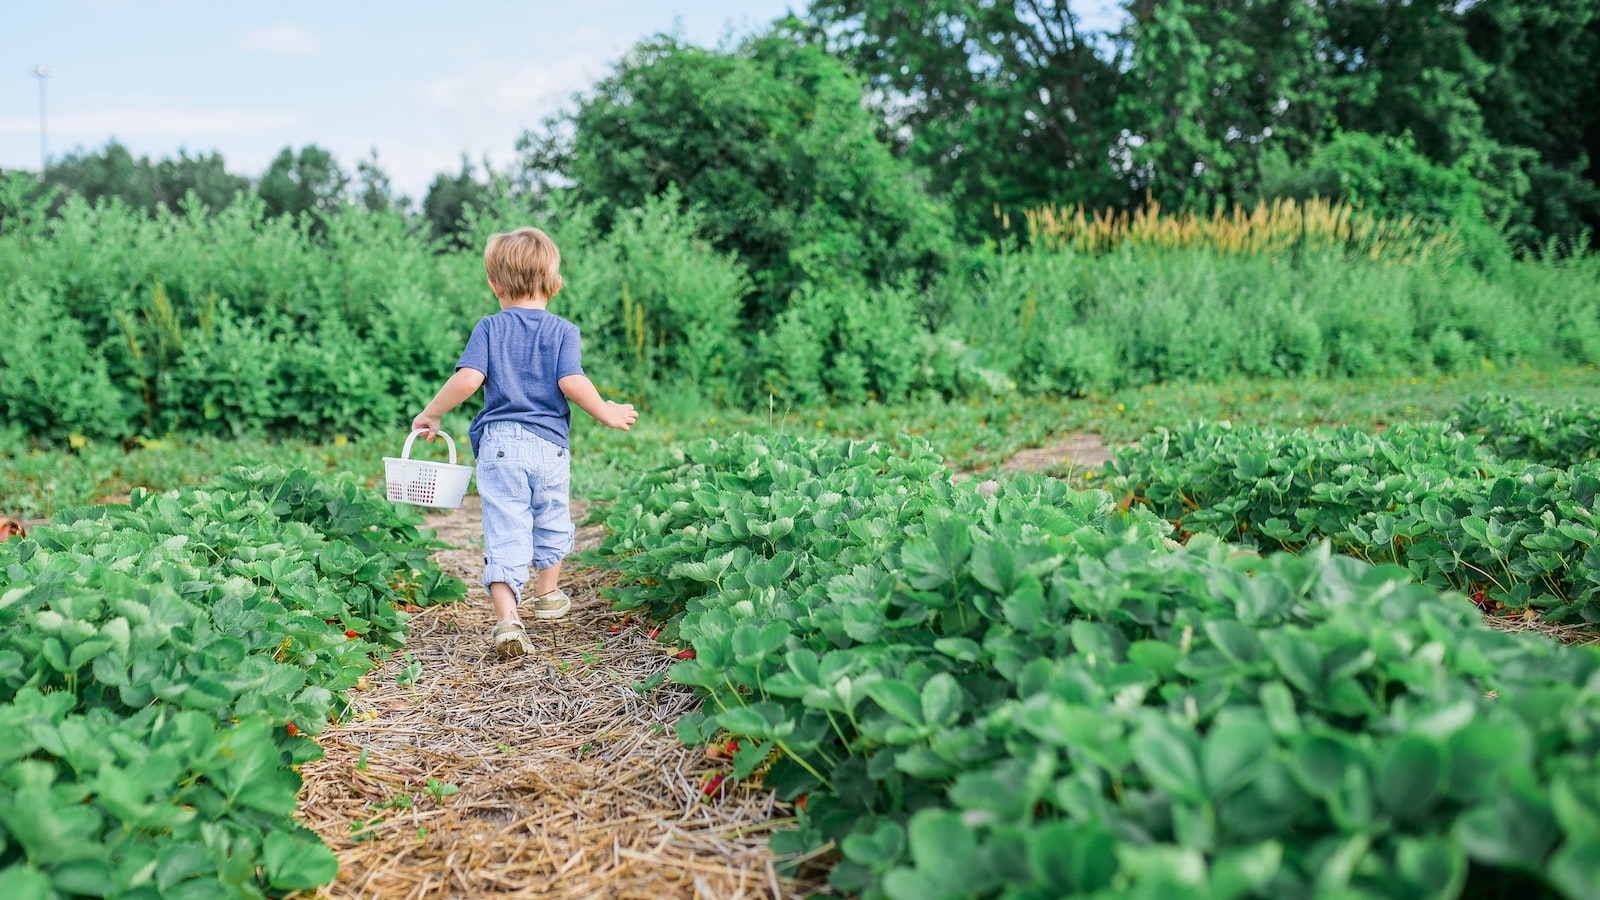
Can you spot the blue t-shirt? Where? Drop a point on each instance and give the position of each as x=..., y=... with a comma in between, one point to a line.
x=523, y=354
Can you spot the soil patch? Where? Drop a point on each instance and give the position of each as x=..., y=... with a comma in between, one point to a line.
x=1073, y=452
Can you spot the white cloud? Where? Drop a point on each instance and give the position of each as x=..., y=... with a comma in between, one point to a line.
x=201, y=125
x=285, y=38
x=521, y=90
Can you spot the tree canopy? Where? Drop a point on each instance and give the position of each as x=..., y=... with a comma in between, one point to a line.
x=855, y=141
x=1014, y=103
x=114, y=172
x=770, y=140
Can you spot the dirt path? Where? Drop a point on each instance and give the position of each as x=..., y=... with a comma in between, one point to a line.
x=1073, y=452
x=571, y=784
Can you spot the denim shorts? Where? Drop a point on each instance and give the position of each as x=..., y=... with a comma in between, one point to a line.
x=523, y=481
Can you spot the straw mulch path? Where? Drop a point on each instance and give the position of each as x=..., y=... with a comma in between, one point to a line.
x=571, y=783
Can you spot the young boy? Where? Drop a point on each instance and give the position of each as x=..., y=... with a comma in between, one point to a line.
x=529, y=362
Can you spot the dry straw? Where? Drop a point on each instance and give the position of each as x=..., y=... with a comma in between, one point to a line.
x=571, y=783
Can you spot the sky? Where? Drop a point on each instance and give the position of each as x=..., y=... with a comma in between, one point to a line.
x=420, y=82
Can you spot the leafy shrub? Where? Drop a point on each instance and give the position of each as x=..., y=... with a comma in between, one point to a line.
x=1069, y=323
x=238, y=323
x=848, y=345
x=52, y=383
x=1383, y=176
x=229, y=380
x=327, y=387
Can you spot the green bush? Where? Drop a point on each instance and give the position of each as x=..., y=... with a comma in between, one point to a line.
x=848, y=346
x=1064, y=322
x=239, y=324
x=52, y=382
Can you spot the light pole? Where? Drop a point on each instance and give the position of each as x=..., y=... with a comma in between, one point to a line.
x=42, y=72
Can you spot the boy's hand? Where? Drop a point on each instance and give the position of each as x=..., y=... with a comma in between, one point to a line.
x=428, y=425
x=620, y=415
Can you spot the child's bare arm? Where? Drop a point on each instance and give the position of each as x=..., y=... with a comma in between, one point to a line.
x=580, y=390
x=463, y=384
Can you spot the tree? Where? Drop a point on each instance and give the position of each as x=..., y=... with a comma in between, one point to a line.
x=114, y=172
x=771, y=142
x=1209, y=88
x=1008, y=104
x=448, y=199
x=374, y=191
x=308, y=183
x=1543, y=93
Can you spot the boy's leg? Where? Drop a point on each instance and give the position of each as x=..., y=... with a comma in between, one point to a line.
x=505, y=487
x=505, y=601
x=548, y=580
x=553, y=532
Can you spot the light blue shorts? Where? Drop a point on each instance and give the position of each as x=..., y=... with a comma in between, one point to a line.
x=523, y=481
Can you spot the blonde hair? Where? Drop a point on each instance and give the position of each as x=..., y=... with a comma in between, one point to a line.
x=523, y=263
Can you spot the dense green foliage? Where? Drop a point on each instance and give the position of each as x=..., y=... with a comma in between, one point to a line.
x=1516, y=534
x=821, y=214
x=1031, y=694
x=157, y=661
x=241, y=324
x=771, y=143
x=1479, y=114
x=1020, y=104
x=1064, y=323
x=114, y=173
x=1557, y=436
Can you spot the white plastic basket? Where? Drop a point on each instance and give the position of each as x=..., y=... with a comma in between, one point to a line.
x=425, y=483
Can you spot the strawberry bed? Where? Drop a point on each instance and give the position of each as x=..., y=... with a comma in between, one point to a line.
x=163, y=665
x=1034, y=694
x=1511, y=533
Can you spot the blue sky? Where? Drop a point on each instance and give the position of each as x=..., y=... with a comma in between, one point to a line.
x=422, y=82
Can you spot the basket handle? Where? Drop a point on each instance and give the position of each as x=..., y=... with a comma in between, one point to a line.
x=405, y=452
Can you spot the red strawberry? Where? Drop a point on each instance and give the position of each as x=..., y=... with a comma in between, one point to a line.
x=10, y=528
x=801, y=803
x=293, y=731
x=712, y=785
x=684, y=654
x=655, y=632
x=351, y=634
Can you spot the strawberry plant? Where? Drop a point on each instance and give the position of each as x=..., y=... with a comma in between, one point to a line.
x=1033, y=694
x=1422, y=496
x=1551, y=435
x=162, y=666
